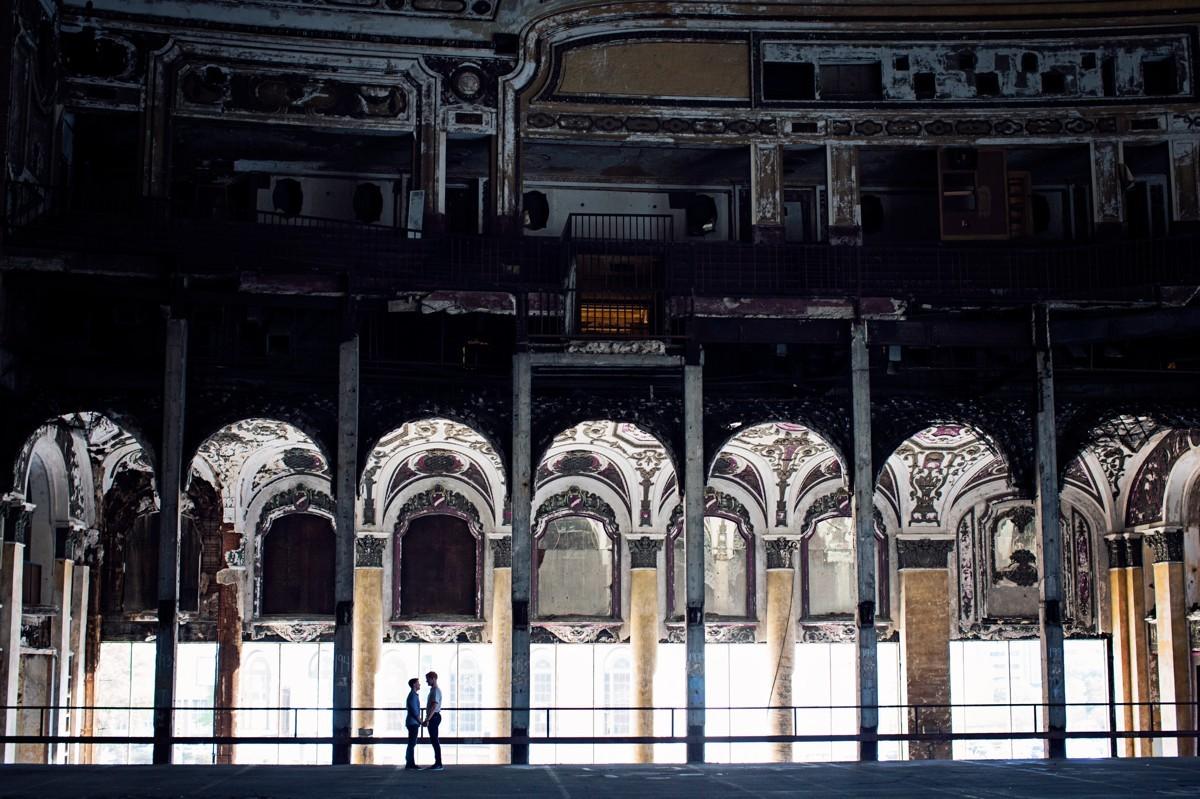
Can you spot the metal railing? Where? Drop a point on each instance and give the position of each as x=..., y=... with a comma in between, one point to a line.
x=597, y=253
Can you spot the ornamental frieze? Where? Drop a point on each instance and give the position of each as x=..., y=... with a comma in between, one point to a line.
x=575, y=500
x=368, y=551
x=1167, y=545
x=779, y=552
x=440, y=499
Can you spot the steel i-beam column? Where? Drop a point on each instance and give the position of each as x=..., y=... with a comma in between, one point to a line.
x=1050, y=556
x=693, y=499
x=170, y=482
x=522, y=553
x=345, y=490
x=864, y=538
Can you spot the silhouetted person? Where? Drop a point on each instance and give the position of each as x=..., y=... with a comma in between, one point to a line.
x=412, y=721
x=433, y=718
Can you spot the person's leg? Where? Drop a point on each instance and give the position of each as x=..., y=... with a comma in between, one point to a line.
x=410, y=755
x=433, y=725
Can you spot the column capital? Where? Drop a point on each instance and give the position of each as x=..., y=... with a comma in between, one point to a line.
x=501, y=551
x=923, y=553
x=1167, y=545
x=779, y=552
x=1124, y=550
x=643, y=552
x=368, y=551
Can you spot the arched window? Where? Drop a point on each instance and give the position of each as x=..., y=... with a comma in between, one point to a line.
x=829, y=579
x=38, y=582
x=618, y=680
x=575, y=568
x=727, y=582
x=437, y=560
x=297, y=566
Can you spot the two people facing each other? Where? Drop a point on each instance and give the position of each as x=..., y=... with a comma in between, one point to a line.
x=431, y=720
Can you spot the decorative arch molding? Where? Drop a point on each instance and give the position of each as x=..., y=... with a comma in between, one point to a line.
x=297, y=498
x=1148, y=492
x=835, y=503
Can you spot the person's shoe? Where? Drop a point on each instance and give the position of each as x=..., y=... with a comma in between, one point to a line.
x=435, y=767
x=412, y=766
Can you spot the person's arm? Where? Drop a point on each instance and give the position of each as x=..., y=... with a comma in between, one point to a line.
x=435, y=704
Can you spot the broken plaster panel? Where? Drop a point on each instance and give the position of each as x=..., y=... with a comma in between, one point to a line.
x=1029, y=69
x=657, y=69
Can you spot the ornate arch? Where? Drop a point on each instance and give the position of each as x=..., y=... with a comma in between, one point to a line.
x=298, y=498
x=437, y=501
x=575, y=501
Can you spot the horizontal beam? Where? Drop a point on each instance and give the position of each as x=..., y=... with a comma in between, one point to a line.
x=585, y=360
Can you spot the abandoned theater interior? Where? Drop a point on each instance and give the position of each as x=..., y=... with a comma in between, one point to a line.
x=683, y=382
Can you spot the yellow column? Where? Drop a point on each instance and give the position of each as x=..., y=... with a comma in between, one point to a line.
x=368, y=637
x=502, y=637
x=781, y=642
x=60, y=632
x=925, y=640
x=1139, y=651
x=643, y=635
x=1118, y=565
x=1174, y=651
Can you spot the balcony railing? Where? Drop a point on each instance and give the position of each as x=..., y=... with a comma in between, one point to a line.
x=637, y=258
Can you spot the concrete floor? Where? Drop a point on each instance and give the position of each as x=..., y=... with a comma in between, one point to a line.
x=1090, y=778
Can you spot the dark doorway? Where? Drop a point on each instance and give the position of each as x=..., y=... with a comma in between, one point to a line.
x=437, y=567
x=297, y=566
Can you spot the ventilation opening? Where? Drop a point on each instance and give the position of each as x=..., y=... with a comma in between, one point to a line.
x=852, y=81
x=987, y=84
x=788, y=81
x=1160, y=77
x=924, y=85
x=1108, y=77
x=1054, y=82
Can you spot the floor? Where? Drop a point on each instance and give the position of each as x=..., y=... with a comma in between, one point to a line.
x=1090, y=778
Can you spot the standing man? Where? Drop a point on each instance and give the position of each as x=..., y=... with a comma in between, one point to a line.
x=433, y=718
x=413, y=722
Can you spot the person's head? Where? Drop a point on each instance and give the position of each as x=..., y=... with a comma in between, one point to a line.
x=414, y=683
x=431, y=678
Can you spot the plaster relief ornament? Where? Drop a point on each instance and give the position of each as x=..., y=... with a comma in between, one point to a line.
x=1014, y=543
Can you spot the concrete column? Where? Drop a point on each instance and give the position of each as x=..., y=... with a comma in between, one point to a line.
x=766, y=191
x=643, y=635
x=346, y=492
x=693, y=515
x=1050, y=552
x=845, y=211
x=60, y=641
x=781, y=642
x=91, y=662
x=1118, y=565
x=1185, y=181
x=1107, y=162
x=1174, y=651
x=1139, y=646
x=170, y=482
x=432, y=150
x=80, y=585
x=12, y=557
x=501, y=620
x=368, y=635
x=863, y=475
x=229, y=657
x=925, y=640
x=522, y=552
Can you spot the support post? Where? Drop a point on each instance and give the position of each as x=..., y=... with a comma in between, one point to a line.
x=1174, y=649
x=1185, y=182
x=522, y=552
x=501, y=620
x=346, y=492
x=781, y=642
x=12, y=559
x=60, y=679
x=845, y=211
x=229, y=653
x=1139, y=645
x=863, y=472
x=693, y=515
x=170, y=482
x=925, y=640
x=766, y=191
x=368, y=636
x=1118, y=591
x=1107, y=163
x=80, y=583
x=643, y=635
x=1050, y=554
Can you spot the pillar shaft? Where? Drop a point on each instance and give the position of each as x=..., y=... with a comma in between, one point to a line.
x=501, y=618
x=1139, y=651
x=925, y=641
x=1185, y=180
x=522, y=553
x=693, y=499
x=12, y=557
x=60, y=633
x=91, y=662
x=170, y=481
x=781, y=643
x=845, y=215
x=1119, y=595
x=766, y=191
x=1174, y=652
x=229, y=659
x=346, y=489
x=1050, y=552
x=863, y=473
x=80, y=584
x=643, y=623
x=1107, y=160
x=368, y=637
